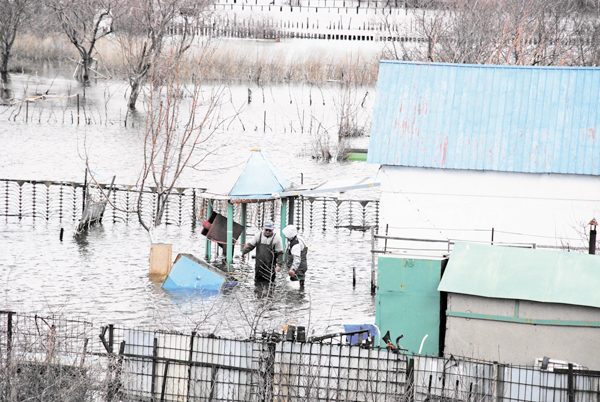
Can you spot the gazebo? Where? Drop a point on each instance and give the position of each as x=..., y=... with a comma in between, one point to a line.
x=258, y=181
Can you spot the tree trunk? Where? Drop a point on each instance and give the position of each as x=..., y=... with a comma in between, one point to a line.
x=83, y=71
x=135, y=92
x=4, y=67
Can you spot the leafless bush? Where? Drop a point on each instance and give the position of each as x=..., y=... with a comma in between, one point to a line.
x=348, y=110
x=40, y=381
x=321, y=148
x=582, y=243
x=506, y=32
x=45, y=359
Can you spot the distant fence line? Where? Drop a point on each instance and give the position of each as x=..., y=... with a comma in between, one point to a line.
x=45, y=200
x=352, y=4
x=279, y=22
x=76, y=360
x=333, y=20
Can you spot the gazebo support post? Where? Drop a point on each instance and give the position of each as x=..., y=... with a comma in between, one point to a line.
x=291, y=213
x=243, y=219
x=207, y=255
x=283, y=221
x=229, y=234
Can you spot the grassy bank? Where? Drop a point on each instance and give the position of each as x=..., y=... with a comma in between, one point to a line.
x=226, y=61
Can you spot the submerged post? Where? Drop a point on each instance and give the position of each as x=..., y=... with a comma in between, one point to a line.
x=372, y=260
x=243, y=219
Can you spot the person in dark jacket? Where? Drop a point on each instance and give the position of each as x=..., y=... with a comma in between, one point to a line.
x=295, y=254
x=269, y=253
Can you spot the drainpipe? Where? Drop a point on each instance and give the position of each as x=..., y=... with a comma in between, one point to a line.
x=593, y=225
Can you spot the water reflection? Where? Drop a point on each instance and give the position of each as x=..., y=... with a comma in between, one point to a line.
x=264, y=289
x=184, y=295
x=81, y=238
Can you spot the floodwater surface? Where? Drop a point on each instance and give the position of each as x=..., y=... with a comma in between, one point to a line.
x=102, y=275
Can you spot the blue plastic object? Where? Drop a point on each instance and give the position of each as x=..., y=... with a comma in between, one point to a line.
x=189, y=273
x=353, y=339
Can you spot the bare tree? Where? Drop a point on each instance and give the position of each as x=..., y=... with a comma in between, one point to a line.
x=12, y=15
x=178, y=129
x=586, y=33
x=144, y=31
x=535, y=32
x=85, y=22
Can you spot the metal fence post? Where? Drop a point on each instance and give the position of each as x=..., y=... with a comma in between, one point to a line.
x=498, y=391
x=110, y=338
x=9, y=333
x=190, y=359
x=164, y=383
x=9, y=344
x=373, y=287
x=570, y=384
x=409, y=390
x=153, y=378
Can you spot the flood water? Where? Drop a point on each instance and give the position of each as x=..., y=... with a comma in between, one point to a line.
x=102, y=276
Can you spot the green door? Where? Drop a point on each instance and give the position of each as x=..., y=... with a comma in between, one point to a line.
x=408, y=302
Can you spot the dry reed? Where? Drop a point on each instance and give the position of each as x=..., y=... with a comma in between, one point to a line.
x=229, y=61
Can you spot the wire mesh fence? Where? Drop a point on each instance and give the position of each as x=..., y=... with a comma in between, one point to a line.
x=56, y=359
x=332, y=372
x=45, y=200
x=307, y=213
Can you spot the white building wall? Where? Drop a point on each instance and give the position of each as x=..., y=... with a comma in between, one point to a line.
x=520, y=343
x=546, y=209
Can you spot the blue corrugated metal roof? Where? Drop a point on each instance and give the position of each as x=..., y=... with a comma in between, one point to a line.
x=476, y=117
x=523, y=274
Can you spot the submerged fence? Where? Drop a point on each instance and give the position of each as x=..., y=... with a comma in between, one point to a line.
x=49, y=358
x=45, y=200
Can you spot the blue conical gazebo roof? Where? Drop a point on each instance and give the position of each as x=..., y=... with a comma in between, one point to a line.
x=259, y=179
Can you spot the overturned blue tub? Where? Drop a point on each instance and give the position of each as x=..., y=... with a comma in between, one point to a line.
x=191, y=273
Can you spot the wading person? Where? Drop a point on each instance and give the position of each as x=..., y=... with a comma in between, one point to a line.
x=269, y=253
x=295, y=254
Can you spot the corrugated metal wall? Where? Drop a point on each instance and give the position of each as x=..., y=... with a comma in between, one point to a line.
x=476, y=117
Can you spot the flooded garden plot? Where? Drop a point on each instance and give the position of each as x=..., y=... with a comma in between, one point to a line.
x=103, y=274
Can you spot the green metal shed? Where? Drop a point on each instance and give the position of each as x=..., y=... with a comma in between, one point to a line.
x=408, y=302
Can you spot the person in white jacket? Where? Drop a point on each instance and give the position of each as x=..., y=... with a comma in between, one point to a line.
x=295, y=254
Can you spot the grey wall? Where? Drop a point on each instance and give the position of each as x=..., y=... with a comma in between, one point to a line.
x=518, y=343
